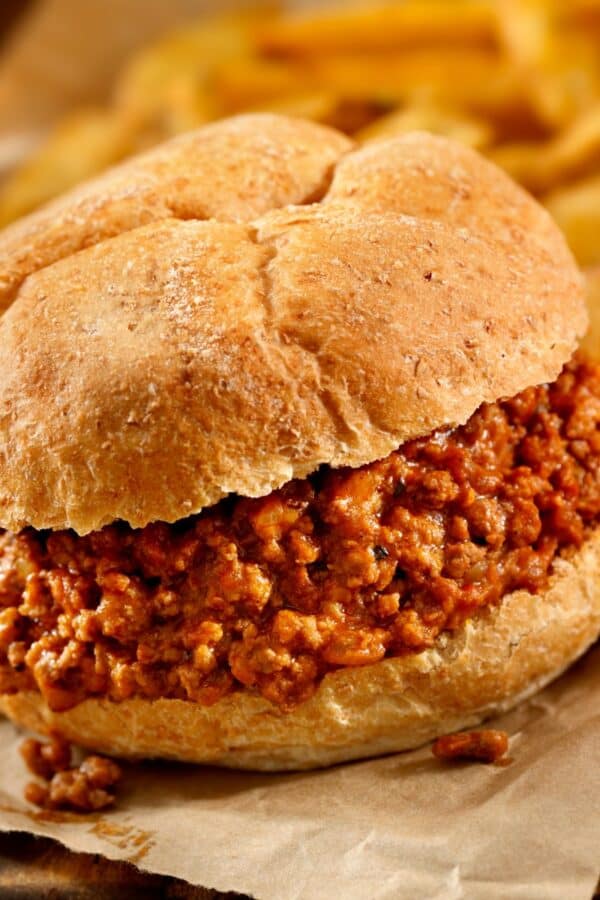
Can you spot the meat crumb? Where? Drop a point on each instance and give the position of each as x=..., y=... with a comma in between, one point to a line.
x=486, y=745
x=46, y=759
x=84, y=788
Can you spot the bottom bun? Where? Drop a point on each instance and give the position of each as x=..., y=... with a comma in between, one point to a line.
x=492, y=662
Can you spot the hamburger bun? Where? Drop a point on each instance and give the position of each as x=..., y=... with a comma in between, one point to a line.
x=236, y=309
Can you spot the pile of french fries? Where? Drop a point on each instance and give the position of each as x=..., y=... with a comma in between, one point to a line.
x=517, y=79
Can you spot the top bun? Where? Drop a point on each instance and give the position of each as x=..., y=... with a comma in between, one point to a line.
x=255, y=299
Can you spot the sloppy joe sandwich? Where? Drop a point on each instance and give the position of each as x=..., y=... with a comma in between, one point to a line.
x=299, y=461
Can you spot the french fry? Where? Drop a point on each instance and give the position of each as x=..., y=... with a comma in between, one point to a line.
x=524, y=30
x=374, y=28
x=542, y=166
x=325, y=107
x=575, y=151
x=577, y=211
x=320, y=106
x=565, y=82
x=558, y=64
x=475, y=79
x=84, y=144
x=521, y=159
x=246, y=83
x=584, y=13
x=170, y=80
x=469, y=130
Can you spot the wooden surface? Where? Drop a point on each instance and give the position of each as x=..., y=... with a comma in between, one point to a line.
x=10, y=10
x=40, y=869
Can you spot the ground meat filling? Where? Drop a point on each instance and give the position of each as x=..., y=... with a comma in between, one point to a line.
x=85, y=788
x=340, y=569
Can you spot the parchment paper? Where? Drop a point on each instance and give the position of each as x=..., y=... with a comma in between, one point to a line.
x=403, y=827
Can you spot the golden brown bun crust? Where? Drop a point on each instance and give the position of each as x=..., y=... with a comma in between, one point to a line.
x=492, y=663
x=149, y=375
x=232, y=171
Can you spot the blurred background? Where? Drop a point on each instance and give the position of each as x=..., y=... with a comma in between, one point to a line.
x=85, y=84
